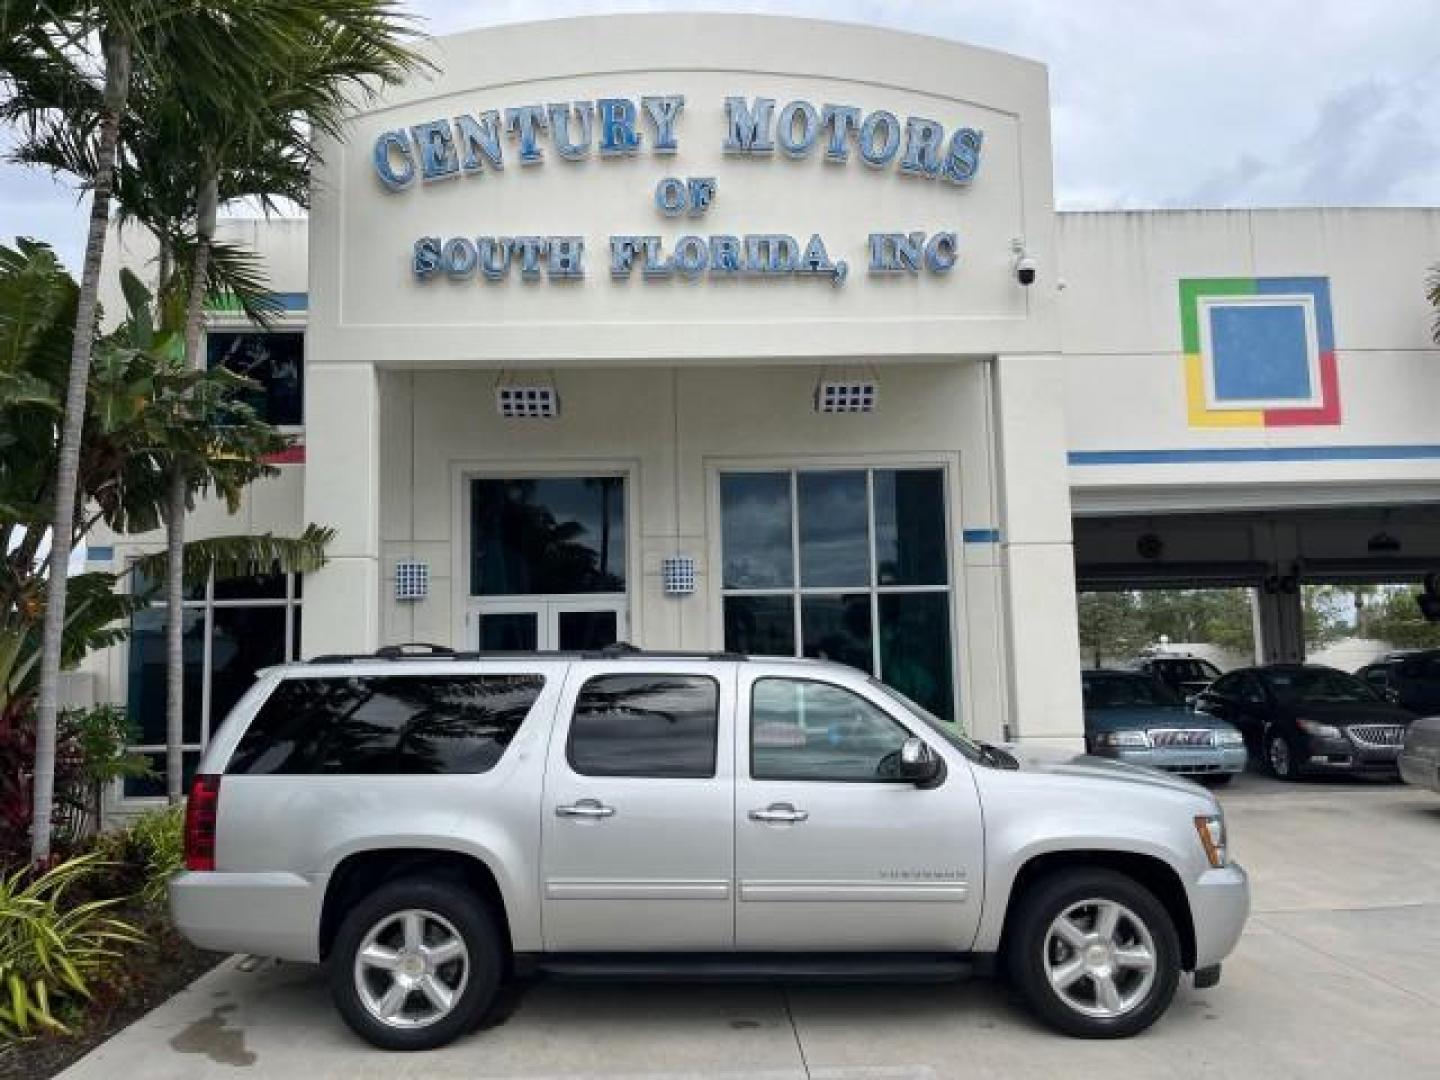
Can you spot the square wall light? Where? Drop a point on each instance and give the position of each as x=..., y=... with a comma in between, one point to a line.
x=850, y=396
x=527, y=402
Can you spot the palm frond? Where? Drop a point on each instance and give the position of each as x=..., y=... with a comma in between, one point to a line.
x=244, y=556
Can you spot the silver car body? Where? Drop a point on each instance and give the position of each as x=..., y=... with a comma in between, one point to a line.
x=1419, y=758
x=682, y=866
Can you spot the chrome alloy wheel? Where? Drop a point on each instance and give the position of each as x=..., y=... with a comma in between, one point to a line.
x=411, y=968
x=1100, y=958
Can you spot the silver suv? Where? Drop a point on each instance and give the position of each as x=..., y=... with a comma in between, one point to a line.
x=429, y=826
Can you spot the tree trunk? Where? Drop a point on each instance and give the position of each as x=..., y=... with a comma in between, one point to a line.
x=117, y=90
x=206, y=207
x=175, y=637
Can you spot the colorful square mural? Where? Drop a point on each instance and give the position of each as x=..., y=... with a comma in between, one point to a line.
x=1259, y=352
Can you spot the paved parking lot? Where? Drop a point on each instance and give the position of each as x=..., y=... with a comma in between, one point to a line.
x=1338, y=974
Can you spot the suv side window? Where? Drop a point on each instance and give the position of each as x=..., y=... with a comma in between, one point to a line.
x=806, y=730
x=1252, y=691
x=646, y=725
x=1227, y=686
x=411, y=724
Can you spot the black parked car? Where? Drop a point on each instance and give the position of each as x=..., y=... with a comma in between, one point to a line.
x=1410, y=679
x=1302, y=718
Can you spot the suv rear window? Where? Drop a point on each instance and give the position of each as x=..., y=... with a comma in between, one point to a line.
x=411, y=724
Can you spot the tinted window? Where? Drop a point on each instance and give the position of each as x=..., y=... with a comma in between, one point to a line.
x=276, y=361
x=1116, y=691
x=547, y=535
x=645, y=725
x=803, y=730
x=1318, y=686
x=1228, y=685
x=409, y=724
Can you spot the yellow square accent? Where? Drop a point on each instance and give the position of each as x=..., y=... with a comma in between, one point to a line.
x=1200, y=414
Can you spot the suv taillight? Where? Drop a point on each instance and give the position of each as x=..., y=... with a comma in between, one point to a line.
x=200, y=822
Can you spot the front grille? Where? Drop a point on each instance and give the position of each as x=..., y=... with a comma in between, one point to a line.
x=1164, y=738
x=1378, y=735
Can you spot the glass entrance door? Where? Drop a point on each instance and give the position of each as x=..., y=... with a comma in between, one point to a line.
x=545, y=624
x=548, y=564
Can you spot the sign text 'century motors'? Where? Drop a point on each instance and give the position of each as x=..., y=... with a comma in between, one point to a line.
x=470, y=145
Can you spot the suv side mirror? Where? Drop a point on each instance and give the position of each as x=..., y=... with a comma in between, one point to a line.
x=916, y=763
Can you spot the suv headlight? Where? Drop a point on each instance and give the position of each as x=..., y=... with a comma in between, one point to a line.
x=1128, y=740
x=1320, y=731
x=1211, y=829
x=1229, y=737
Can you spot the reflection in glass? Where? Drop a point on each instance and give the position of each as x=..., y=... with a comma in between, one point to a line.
x=838, y=628
x=834, y=532
x=243, y=641
x=587, y=629
x=547, y=535
x=256, y=587
x=760, y=625
x=510, y=632
x=910, y=526
x=645, y=725
x=146, y=698
x=274, y=360
x=755, y=528
x=915, y=652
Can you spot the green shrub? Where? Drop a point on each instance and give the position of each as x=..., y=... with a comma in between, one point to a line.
x=157, y=844
x=51, y=950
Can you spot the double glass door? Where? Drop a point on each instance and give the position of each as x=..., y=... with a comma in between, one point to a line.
x=536, y=623
x=547, y=563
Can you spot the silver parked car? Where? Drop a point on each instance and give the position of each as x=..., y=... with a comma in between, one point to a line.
x=1420, y=756
x=426, y=827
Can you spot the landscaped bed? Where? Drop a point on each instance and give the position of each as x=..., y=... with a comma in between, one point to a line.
x=142, y=977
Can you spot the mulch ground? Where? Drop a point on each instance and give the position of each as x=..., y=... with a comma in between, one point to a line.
x=142, y=979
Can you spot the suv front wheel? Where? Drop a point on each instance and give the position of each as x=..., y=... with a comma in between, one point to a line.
x=415, y=964
x=1094, y=953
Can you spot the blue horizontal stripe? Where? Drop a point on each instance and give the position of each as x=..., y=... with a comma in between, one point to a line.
x=99, y=553
x=980, y=536
x=1241, y=454
x=293, y=301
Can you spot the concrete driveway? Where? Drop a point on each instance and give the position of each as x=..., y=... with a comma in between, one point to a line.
x=1338, y=975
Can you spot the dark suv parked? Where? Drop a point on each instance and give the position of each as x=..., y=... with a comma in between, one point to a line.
x=1306, y=718
x=1411, y=680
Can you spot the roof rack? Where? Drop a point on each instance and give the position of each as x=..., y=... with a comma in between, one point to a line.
x=420, y=650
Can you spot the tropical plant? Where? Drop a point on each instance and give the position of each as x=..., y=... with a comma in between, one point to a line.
x=66, y=72
x=156, y=844
x=51, y=949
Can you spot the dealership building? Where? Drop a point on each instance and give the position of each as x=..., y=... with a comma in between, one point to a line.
x=743, y=333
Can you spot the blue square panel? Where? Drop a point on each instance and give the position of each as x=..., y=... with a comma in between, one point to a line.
x=1259, y=352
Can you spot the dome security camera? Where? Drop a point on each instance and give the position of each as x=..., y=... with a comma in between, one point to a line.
x=1025, y=269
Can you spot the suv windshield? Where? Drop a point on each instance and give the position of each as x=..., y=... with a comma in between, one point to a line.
x=1318, y=686
x=1116, y=691
x=1186, y=670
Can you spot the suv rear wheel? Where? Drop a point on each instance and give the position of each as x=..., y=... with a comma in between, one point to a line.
x=415, y=964
x=1094, y=953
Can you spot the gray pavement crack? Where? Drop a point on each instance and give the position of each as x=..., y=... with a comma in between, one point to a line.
x=795, y=1030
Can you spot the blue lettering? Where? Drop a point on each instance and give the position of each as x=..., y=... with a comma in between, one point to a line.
x=662, y=112
x=436, y=148
x=749, y=131
x=617, y=126
x=387, y=144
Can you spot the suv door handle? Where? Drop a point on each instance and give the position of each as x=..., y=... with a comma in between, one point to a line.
x=585, y=808
x=779, y=812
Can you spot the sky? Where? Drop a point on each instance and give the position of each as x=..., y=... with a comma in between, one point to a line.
x=1160, y=103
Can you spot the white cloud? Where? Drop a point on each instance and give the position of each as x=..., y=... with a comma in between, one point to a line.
x=1167, y=103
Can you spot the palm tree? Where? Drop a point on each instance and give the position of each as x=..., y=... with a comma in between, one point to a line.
x=48, y=75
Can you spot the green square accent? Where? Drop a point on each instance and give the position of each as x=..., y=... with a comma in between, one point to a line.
x=1191, y=289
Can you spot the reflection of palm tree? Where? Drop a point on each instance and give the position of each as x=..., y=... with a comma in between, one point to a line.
x=553, y=555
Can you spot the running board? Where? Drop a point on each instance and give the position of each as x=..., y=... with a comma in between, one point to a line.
x=755, y=967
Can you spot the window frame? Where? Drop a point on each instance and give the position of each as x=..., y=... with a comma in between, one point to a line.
x=750, y=732
x=714, y=772
x=949, y=468
x=292, y=602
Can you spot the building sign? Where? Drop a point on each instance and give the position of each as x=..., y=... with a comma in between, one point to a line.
x=469, y=146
